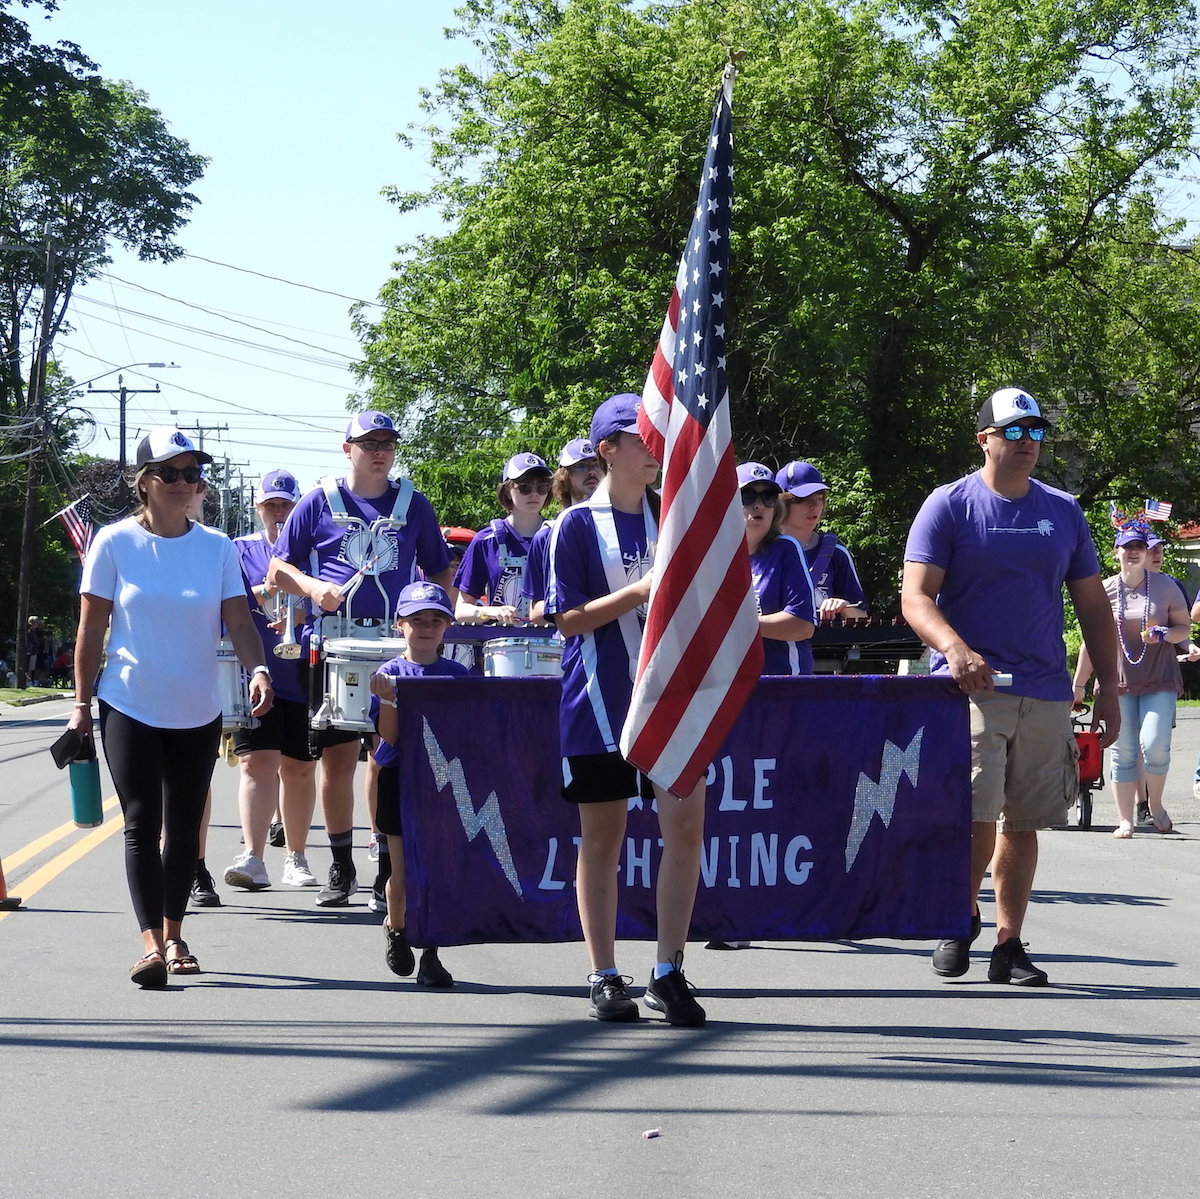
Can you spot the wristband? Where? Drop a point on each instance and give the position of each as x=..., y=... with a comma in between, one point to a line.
x=387, y=703
x=80, y=704
x=260, y=670
x=1158, y=632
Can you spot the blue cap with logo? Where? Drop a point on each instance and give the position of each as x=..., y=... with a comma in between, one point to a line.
x=522, y=464
x=579, y=450
x=618, y=414
x=367, y=423
x=278, y=485
x=423, y=597
x=755, y=472
x=801, y=479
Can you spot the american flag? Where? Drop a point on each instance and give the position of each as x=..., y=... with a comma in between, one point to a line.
x=77, y=520
x=701, y=654
x=1158, y=510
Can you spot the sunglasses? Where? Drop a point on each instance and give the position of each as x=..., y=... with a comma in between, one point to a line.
x=1016, y=432
x=753, y=495
x=172, y=474
x=541, y=488
x=374, y=445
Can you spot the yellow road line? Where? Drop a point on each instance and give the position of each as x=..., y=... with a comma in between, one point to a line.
x=46, y=874
x=15, y=860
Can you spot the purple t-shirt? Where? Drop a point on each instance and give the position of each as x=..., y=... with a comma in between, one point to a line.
x=833, y=573
x=340, y=550
x=443, y=668
x=493, y=568
x=782, y=584
x=255, y=552
x=537, y=568
x=598, y=667
x=1006, y=561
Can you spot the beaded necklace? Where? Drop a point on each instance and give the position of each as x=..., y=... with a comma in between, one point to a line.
x=1142, y=647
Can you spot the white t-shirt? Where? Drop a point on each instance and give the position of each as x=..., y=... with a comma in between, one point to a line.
x=166, y=594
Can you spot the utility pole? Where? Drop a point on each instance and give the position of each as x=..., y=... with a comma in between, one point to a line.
x=37, y=439
x=122, y=392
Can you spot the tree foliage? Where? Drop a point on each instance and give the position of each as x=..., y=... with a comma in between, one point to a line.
x=931, y=200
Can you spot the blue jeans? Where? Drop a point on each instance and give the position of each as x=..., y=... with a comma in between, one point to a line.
x=1146, y=722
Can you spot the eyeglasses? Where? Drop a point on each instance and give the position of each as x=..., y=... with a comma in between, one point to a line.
x=588, y=464
x=376, y=445
x=1016, y=432
x=172, y=474
x=542, y=487
x=753, y=495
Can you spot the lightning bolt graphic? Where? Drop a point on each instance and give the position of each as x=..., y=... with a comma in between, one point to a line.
x=487, y=820
x=871, y=797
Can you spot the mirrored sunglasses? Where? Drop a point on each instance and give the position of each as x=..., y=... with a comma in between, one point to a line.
x=1016, y=432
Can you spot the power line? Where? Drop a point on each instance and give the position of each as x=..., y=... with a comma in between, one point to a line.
x=290, y=282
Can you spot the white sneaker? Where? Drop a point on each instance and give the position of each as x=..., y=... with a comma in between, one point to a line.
x=296, y=872
x=373, y=848
x=248, y=872
x=1196, y=789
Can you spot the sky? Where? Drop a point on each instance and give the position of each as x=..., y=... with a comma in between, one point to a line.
x=297, y=104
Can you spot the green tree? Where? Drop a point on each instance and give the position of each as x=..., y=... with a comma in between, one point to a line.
x=931, y=200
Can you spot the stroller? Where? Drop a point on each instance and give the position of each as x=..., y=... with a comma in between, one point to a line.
x=1091, y=765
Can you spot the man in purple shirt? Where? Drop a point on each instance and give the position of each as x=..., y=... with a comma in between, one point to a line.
x=350, y=546
x=986, y=560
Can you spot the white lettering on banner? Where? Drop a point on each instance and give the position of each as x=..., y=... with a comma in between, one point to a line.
x=723, y=771
x=487, y=820
x=639, y=863
x=871, y=797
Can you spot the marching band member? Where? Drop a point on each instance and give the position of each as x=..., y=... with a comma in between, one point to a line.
x=349, y=546
x=601, y=554
x=830, y=564
x=160, y=585
x=275, y=765
x=492, y=571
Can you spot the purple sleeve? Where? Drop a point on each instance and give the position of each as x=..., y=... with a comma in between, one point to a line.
x=1084, y=562
x=930, y=539
x=429, y=545
x=472, y=576
x=569, y=563
x=296, y=538
x=533, y=586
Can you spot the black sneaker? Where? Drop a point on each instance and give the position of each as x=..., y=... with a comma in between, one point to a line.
x=275, y=834
x=610, y=1000
x=672, y=995
x=399, y=954
x=1011, y=965
x=952, y=957
x=204, y=891
x=343, y=882
x=431, y=972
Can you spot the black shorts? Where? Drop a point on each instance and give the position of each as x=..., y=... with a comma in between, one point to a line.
x=284, y=727
x=603, y=778
x=387, y=802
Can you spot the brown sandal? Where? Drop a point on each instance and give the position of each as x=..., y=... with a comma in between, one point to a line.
x=184, y=962
x=149, y=971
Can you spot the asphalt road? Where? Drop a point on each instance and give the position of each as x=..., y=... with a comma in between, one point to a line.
x=297, y=1065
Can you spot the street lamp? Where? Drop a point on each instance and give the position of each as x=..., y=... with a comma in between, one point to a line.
x=123, y=392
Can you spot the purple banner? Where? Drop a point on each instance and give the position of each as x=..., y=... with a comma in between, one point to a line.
x=839, y=808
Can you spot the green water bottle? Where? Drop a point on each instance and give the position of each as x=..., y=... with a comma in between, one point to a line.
x=86, y=807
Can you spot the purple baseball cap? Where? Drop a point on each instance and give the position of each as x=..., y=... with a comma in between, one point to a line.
x=801, y=479
x=1128, y=536
x=366, y=423
x=278, y=485
x=618, y=414
x=522, y=464
x=159, y=445
x=579, y=450
x=755, y=472
x=423, y=597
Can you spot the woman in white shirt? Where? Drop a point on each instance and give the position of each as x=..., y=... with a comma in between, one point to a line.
x=160, y=585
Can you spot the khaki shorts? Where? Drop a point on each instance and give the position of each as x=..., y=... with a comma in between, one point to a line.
x=1023, y=761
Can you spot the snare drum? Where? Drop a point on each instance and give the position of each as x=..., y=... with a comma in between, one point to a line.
x=349, y=664
x=231, y=679
x=522, y=658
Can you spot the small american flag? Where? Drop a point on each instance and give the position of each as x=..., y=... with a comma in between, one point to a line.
x=77, y=520
x=1158, y=510
x=701, y=654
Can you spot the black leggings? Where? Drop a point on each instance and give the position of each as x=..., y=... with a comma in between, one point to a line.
x=162, y=777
